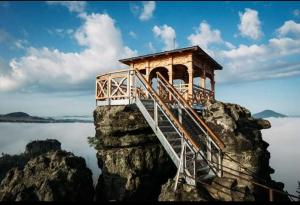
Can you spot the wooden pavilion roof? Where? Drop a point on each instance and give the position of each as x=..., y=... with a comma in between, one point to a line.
x=195, y=49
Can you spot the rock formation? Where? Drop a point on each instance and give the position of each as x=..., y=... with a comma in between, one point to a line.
x=50, y=174
x=245, y=150
x=184, y=192
x=134, y=164
x=32, y=149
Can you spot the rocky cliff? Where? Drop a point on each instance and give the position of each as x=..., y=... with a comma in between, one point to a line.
x=45, y=173
x=245, y=150
x=134, y=165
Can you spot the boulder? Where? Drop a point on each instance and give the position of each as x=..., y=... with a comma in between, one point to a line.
x=184, y=192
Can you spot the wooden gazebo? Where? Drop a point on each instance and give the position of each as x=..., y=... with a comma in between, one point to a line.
x=190, y=70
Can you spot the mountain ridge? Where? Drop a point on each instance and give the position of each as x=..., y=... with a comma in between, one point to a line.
x=26, y=118
x=268, y=113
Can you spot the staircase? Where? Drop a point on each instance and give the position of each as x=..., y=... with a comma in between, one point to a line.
x=187, y=142
x=192, y=146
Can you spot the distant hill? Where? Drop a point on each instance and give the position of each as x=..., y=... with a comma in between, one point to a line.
x=17, y=114
x=268, y=113
x=24, y=117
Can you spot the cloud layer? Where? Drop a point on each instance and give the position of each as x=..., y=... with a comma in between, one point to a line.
x=274, y=59
x=44, y=68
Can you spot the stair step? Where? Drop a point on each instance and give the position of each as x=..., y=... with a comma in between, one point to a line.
x=203, y=171
x=174, y=140
x=205, y=177
x=172, y=134
x=166, y=128
x=164, y=123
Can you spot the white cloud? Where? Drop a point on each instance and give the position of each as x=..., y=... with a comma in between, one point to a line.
x=132, y=34
x=73, y=6
x=256, y=62
x=148, y=9
x=21, y=44
x=250, y=25
x=11, y=42
x=44, y=68
x=296, y=12
x=167, y=34
x=289, y=27
x=251, y=62
x=60, y=32
x=229, y=45
x=205, y=36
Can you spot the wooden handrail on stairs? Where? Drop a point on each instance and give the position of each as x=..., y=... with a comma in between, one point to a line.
x=215, y=138
x=168, y=112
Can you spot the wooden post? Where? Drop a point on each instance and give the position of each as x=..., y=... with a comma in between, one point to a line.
x=109, y=88
x=148, y=80
x=170, y=73
x=212, y=85
x=190, y=85
x=203, y=78
x=271, y=194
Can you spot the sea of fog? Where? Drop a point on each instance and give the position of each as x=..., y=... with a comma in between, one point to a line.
x=283, y=138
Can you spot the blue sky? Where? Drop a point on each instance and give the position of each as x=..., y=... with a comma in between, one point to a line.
x=50, y=52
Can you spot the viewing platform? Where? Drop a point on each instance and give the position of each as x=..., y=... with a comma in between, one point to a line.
x=189, y=70
x=167, y=88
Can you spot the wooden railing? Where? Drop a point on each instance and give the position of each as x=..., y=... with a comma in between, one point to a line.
x=113, y=86
x=200, y=95
x=182, y=89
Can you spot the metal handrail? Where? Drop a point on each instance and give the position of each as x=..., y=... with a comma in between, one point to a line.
x=189, y=114
x=187, y=111
x=172, y=118
x=215, y=138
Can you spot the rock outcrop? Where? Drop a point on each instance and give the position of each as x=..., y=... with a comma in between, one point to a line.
x=184, y=192
x=134, y=165
x=133, y=162
x=50, y=174
x=32, y=150
x=245, y=150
